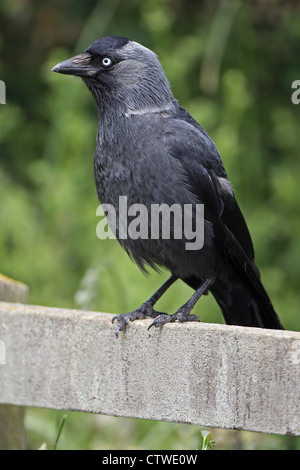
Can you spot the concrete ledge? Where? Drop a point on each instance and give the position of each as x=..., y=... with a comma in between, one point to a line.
x=205, y=374
x=12, y=432
x=11, y=290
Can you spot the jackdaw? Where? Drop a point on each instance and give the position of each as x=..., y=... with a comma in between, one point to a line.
x=152, y=151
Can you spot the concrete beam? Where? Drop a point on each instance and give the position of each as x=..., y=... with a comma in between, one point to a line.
x=12, y=431
x=206, y=374
x=12, y=291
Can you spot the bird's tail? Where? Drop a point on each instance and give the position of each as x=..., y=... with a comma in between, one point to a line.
x=243, y=299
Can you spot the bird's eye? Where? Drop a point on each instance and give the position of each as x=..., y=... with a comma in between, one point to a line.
x=106, y=62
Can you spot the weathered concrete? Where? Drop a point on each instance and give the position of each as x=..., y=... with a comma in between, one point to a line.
x=12, y=432
x=12, y=291
x=206, y=374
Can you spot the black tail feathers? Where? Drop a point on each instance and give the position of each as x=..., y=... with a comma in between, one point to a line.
x=243, y=299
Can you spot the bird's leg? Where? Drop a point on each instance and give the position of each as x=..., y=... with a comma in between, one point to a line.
x=183, y=313
x=146, y=309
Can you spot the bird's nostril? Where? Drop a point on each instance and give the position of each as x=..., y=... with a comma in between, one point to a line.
x=82, y=59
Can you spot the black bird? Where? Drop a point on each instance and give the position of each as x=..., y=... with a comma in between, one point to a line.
x=152, y=151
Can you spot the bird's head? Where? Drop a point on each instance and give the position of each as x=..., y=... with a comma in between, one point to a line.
x=118, y=70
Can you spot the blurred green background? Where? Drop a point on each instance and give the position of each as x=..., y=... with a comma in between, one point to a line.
x=231, y=65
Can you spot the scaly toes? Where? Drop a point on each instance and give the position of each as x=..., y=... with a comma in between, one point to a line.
x=122, y=322
x=180, y=316
x=160, y=320
x=140, y=313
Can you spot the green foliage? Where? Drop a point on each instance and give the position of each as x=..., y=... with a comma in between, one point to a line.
x=61, y=426
x=205, y=441
x=231, y=64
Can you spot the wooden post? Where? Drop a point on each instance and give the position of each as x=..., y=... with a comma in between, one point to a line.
x=12, y=432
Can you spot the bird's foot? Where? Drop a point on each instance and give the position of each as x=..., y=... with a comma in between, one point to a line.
x=145, y=310
x=182, y=315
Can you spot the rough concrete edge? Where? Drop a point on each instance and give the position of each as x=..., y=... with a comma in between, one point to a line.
x=63, y=313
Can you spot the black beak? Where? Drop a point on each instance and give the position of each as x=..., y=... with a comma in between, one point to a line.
x=79, y=65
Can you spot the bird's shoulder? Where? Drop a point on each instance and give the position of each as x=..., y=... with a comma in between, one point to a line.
x=187, y=142
x=184, y=138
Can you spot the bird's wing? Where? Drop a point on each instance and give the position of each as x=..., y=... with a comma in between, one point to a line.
x=206, y=175
x=187, y=142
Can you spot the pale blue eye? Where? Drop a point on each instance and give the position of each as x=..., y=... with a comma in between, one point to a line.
x=106, y=62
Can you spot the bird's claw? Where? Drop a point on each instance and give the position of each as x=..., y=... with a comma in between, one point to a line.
x=180, y=316
x=140, y=313
x=146, y=310
x=122, y=322
x=160, y=320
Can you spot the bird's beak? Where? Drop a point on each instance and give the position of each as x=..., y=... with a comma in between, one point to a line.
x=79, y=65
